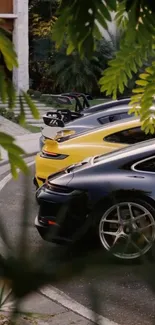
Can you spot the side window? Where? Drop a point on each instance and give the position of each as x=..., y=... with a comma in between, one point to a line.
x=109, y=118
x=126, y=115
x=129, y=136
x=104, y=120
x=114, y=117
x=147, y=165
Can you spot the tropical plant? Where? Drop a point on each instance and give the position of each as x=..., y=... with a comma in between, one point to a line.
x=81, y=21
x=41, y=19
x=72, y=73
x=66, y=72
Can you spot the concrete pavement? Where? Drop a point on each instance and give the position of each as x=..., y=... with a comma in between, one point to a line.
x=121, y=289
x=49, y=305
x=40, y=310
x=12, y=128
x=28, y=141
x=37, y=308
x=42, y=108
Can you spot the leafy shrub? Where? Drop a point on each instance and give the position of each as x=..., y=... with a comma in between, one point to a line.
x=30, y=92
x=49, y=101
x=34, y=93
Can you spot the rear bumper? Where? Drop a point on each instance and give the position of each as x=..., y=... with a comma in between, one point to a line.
x=50, y=233
x=60, y=220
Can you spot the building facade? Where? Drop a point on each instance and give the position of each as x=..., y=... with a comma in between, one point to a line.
x=15, y=18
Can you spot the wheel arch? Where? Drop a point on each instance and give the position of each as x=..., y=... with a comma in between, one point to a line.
x=113, y=198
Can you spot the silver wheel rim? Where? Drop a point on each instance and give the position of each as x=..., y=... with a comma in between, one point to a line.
x=127, y=229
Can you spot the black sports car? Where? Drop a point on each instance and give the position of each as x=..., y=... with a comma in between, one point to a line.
x=111, y=195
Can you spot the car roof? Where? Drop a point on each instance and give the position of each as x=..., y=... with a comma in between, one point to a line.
x=105, y=105
x=99, y=114
x=127, y=152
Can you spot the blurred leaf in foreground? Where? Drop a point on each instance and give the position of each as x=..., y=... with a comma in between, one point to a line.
x=8, y=95
x=14, y=154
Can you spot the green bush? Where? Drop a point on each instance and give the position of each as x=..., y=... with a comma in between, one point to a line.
x=49, y=101
x=34, y=93
x=30, y=92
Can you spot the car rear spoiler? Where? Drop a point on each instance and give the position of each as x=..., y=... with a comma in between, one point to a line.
x=67, y=99
x=59, y=117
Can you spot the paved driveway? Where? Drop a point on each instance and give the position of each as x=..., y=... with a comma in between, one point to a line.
x=122, y=291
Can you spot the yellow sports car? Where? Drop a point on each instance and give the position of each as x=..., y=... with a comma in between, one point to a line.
x=68, y=148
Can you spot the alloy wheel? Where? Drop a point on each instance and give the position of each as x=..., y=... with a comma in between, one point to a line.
x=127, y=229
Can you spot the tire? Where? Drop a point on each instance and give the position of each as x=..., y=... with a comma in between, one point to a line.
x=134, y=226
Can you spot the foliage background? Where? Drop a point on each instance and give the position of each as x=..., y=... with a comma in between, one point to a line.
x=136, y=46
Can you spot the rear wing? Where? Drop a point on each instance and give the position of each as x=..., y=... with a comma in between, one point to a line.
x=59, y=117
x=81, y=100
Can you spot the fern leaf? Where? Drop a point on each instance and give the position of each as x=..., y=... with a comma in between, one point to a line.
x=124, y=65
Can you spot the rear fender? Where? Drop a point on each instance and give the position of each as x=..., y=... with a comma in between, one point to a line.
x=113, y=198
x=50, y=145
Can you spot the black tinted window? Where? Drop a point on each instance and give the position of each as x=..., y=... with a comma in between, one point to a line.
x=129, y=136
x=109, y=118
x=113, y=118
x=126, y=115
x=147, y=166
x=104, y=120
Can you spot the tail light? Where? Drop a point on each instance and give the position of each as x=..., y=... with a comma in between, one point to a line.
x=57, y=188
x=52, y=155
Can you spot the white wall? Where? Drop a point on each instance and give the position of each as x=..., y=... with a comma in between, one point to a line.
x=20, y=39
x=112, y=27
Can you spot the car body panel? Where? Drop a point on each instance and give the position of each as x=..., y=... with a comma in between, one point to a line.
x=104, y=181
x=93, y=119
x=106, y=105
x=76, y=149
x=88, y=121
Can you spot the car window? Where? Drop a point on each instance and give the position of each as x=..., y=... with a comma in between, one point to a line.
x=129, y=136
x=114, y=117
x=126, y=115
x=104, y=120
x=147, y=165
x=109, y=118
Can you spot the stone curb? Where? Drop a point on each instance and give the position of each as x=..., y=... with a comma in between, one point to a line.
x=27, y=155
